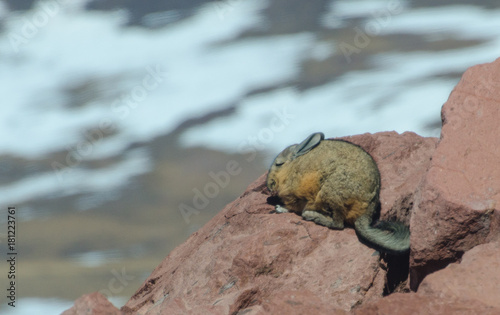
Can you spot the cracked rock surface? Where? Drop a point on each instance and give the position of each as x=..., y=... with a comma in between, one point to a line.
x=457, y=206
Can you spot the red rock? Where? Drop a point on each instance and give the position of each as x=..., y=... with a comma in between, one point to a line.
x=458, y=204
x=92, y=304
x=469, y=287
x=296, y=302
x=418, y=304
x=247, y=258
x=476, y=277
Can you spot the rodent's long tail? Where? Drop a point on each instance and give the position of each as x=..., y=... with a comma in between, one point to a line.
x=389, y=237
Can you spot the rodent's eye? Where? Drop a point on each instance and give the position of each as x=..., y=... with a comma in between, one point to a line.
x=279, y=162
x=271, y=184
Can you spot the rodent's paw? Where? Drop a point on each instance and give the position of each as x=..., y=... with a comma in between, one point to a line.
x=316, y=217
x=281, y=209
x=322, y=219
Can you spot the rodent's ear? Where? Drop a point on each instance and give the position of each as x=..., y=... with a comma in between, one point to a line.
x=308, y=144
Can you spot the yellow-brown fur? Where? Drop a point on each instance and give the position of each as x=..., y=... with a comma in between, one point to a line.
x=331, y=183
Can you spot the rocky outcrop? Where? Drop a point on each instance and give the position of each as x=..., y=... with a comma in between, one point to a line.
x=458, y=204
x=248, y=257
x=476, y=277
x=419, y=304
x=250, y=260
x=469, y=287
x=92, y=304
